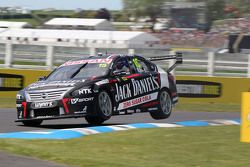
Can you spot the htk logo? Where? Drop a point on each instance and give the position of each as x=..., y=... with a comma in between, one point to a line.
x=84, y=91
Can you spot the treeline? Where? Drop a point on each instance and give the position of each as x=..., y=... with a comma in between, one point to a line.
x=16, y=16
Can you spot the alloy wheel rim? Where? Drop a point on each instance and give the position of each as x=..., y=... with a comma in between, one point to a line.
x=165, y=102
x=105, y=104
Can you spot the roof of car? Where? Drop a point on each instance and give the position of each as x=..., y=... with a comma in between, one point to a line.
x=103, y=56
x=92, y=59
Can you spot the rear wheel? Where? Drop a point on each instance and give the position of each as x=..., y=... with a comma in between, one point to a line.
x=165, y=106
x=104, y=109
x=32, y=123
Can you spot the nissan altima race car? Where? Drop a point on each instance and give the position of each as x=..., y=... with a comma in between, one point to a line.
x=98, y=87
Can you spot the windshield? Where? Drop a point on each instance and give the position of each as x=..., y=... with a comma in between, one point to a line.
x=79, y=71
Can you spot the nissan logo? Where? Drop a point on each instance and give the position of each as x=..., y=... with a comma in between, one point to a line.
x=44, y=95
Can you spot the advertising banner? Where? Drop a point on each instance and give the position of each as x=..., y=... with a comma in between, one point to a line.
x=191, y=89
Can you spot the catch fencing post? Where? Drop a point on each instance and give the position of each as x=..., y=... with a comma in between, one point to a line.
x=131, y=51
x=92, y=51
x=50, y=57
x=245, y=117
x=210, y=65
x=248, y=66
x=8, y=54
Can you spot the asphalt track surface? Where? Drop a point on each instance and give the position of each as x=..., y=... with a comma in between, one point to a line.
x=7, y=124
x=7, y=117
x=9, y=160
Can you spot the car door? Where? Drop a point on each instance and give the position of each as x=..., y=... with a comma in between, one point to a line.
x=144, y=80
x=121, y=73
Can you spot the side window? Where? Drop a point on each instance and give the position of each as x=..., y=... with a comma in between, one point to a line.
x=141, y=65
x=121, y=65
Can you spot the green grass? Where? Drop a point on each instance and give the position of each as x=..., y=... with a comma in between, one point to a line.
x=7, y=102
x=26, y=63
x=29, y=63
x=54, y=12
x=176, y=147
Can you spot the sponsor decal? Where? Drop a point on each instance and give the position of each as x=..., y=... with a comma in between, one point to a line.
x=104, y=65
x=84, y=91
x=53, y=83
x=198, y=89
x=47, y=116
x=84, y=110
x=95, y=90
x=78, y=100
x=11, y=82
x=135, y=87
x=18, y=105
x=137, y=101
x=90, y=61
x=124, y=78
x=152, y=109
x=138, y=110
x=48, y=104
x=130, y=111
x=74, y=101
x=20, y=114
x=122, y=112
x=105, y=81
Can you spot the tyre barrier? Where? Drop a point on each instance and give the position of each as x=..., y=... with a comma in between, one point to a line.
x=81, y=132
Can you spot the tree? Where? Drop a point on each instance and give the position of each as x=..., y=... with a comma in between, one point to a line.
x=150, y=8
x=215, y=10
x=103, y=13
x=242, y=5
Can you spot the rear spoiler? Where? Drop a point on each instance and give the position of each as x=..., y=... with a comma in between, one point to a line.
x=177, y=57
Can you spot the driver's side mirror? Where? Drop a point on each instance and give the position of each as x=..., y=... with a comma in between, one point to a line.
x=43, y=78
x=119, y=73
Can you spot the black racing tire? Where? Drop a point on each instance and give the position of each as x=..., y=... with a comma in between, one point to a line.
x=164, y=106
x=103, y=109
x=94, y=120
x=32, y=123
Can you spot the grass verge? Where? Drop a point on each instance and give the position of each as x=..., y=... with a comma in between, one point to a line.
x=162, y=147
x=7, y=103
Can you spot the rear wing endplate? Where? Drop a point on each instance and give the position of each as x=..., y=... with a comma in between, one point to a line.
x=177, y=57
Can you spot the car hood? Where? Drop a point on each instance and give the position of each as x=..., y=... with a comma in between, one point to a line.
x=43, y=85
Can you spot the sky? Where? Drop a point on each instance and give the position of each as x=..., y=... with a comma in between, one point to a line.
x=64, y=4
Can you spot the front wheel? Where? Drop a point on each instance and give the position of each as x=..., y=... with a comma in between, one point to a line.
x=104, y=109
x=32, y=123
x=94, y=120
x=165, y=106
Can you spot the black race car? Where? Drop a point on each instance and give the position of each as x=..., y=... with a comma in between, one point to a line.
x=98, y=87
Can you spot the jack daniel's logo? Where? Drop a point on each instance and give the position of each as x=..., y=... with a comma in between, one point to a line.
x=136, y=87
